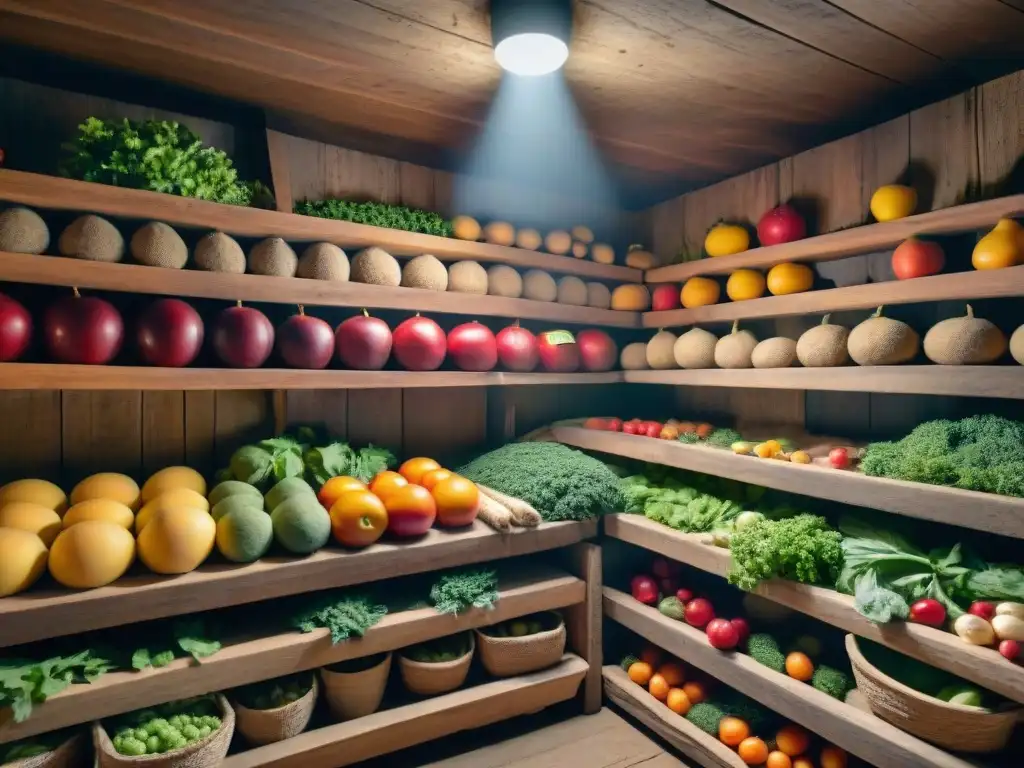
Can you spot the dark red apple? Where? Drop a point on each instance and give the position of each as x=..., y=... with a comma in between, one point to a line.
x=420, y=344
x=782, y=224
x=305, y=342
x=169, y=333
x=597, y=350
x=472, y=347
x=83, y=330
x=665, y=297
x=517, y=348
x=243, y=337
x=15, y=329
x=363, y=342
x=559, y=352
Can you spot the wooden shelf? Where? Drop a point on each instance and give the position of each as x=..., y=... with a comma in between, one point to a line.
x=391, y=730
x=1005, y=381
x=50, y=192
x=969, y=509
x=858, y=732
x=982, y=284
x=944, y=650
x=94, y=275
x=50, y=376
x=39, y=614
x=700, y=747
x=240, y=663
x=851, y=242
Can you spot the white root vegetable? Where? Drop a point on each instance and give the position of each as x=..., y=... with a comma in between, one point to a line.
x=1010, y=609
x=523, y=515
x=494, y=514
x=974, y=630
x=1008, y=627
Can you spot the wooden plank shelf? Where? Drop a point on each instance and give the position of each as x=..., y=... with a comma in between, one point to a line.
x=980, y=284
x=703, y=749
x=969, y=509
x=859, y=733
x=39, y=614
x=391, y=730
x=50, y=376
x=249, y=661
x=851, y=242
x=188, y=283
x=50, y=192
x=1006, y=381
x=944, y=650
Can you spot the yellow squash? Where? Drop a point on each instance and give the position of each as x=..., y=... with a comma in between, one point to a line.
x=107, y=485
x=177, y=540
x=726, y=239
x=893, y=201
x=91, y=554
x=40, y=492
x=784, y=279
x=22, y=560
x=700, y=292
x=745, y=284
x=34, y=518
x=1002, y=247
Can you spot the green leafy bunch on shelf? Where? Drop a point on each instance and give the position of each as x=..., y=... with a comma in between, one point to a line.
x=156, y=155
x=377, y=215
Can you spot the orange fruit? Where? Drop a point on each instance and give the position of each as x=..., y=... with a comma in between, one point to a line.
x=640, y=672
x=678, y=701
x=752, y=751
x=331, y=491
x=778, y=759
x=458, y=501
x=793, y=740
x=799, y=666
x=413, y=470
x=358, y=518
x=695, y=691
x=673, y=673
x=732, y=731
x=658, y=687
x=435, y=476
x=652, y=655
x=803, y=762
x=832, y=757
x=387, y=481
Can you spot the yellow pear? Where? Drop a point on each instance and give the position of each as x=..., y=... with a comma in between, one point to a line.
x=1002, y=247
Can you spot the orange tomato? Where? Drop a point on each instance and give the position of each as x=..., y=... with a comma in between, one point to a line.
x=799, y=666
x=673, y=673
x=793, y=740
x=696, y=691
x=387, y=481
x=458, y=501
x=803, y=762
x=778, y=760
x=832, y=757
x=640, y=672
x=658, y=687
x=652, y=655
x=678, y=701
x=732, y=731
x=413, y=470
x=358, y=518
x=411, y=510
x=333, y=488
x=435, y=476
x=753, y=751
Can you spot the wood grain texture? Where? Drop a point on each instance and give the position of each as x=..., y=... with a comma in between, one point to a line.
x=446, y=423
x=860, y=733
x=944, y=150
x=101, y=430
x=1000, y=105
x=163, y=429
x=583, y=620
x=998, y=514
x=280, y=171
x=140, y=597
x=36, y=418
x=376, y=416
x=936, y=647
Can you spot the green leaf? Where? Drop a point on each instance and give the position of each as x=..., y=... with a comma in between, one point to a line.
x=876, y=603
x=998, y=583
x=141, y=659
x=163, y=658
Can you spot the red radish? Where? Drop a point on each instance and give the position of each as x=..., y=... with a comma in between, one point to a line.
x=698, y=612
x=782, y=224
x=684, y=595
x=83, y=329
x=664, y=568
x=419, y=344
x=665, y=297
x=15, y=329
x=983, y=609
x=644, y=589
x=742, y=629
x=722, y=634
x=363, y=342
x=594, y=423
x=597, y=350
x=652, y=429
x=1010, y=649
x=517, y=349
x=558, y=351
x=917, y=258
x=243, y=337
x=305, y=342
x=613, y=425
x=632, y=427
x=169, y=334
x=473, y=347
x=839, y=458
x=929, y=612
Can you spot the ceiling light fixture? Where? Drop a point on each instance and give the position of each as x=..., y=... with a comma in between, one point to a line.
x=531, y=37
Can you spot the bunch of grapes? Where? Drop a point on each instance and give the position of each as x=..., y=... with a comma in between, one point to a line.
x=154, y=735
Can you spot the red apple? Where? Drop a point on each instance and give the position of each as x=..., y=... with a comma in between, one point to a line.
x=83, y=330
x=597, y=350
x=420, y=344
x=558, y=351
x=243, y=337
x=782, y=224
x=363, y=342
x=472, y=347
x=15, y=329
x=917, y=258
x=517, y=348
x=169, y=333
x=664, y=297
x=305, y=342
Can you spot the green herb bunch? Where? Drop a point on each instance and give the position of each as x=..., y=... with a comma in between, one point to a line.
x=459, y=591
x=377, y=215
x=802, y=548
x=343, y=615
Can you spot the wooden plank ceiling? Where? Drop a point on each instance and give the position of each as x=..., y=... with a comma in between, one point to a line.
x=680, y=91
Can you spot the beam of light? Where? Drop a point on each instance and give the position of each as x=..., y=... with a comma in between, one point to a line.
x=531, y=54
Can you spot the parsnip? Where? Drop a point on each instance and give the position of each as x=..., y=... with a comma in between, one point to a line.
x=494, y=514
x=523, y=515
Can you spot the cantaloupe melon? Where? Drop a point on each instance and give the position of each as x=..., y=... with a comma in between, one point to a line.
x=172, y=499
x=500, y=233
x=22, y=560
x=466, y=228
x=695, y=349
x=23, y=231
x=177, y=540
x=91, y=238
x=285, y=489
x=239, y=501
x=660, y=354
x=108, y=485
x=244, y=534
x=881, y=340
x=538, y=285
x=273, y=257
x=1017, y=345
x=504, y=281
x=598, y=295
x=572, y=290
x=602, y=253
x=467, y=277
x=634, y=357
x=734, y=350
x=301, y=525
x=375, y=266
x=967, y=340
x=425, y=272
x=234, y=488
x=823, y=346
x=169, y=478
x=776, y=352
x=558, y=242
x=528, y=239
x=40, y=492
x=157, y=245
x=100, y=509
x=91, y=554
x=631, y=297
x=34, y=518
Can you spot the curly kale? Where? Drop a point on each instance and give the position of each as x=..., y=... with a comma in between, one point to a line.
x=979, y=453
x=377, y=215
x=343, y=615
x=802, y=548
x=458, y=591
x=723, y=438
x=559, y=482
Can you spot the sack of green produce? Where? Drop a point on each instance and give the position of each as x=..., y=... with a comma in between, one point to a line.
x=438, y=666
x=42, y=752
x=275, y=710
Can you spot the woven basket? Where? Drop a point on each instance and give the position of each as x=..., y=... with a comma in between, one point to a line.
x=208, y=753
x=67, y=755
x=429, y=678
x=952, y=726
x=511, y=656
x=356, y=694
x=266, y=726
